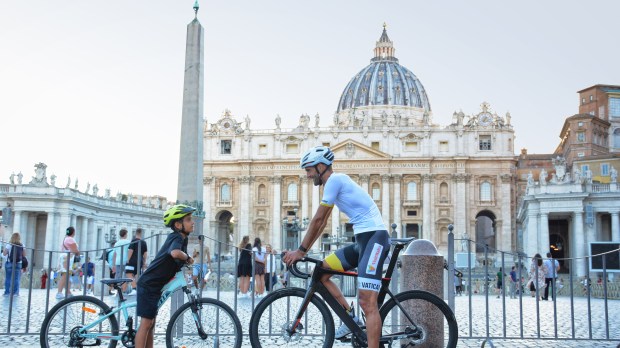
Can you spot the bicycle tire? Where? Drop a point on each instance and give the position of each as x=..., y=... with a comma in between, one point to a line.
x=285, y=311
x=110, y=325
x=425, y=304
x=220, y=314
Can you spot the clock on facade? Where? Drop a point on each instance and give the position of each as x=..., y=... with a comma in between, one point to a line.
x=485, y=119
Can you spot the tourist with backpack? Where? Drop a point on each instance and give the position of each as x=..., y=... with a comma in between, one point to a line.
x=14, y=251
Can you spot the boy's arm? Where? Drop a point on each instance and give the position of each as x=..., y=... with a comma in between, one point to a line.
x=180, y=255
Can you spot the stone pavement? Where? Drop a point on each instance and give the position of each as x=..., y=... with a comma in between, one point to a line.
x=25, y=325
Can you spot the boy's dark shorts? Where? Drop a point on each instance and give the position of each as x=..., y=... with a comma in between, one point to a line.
x=147, y=302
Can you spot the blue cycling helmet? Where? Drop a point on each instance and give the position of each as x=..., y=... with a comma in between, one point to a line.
x=316, y=155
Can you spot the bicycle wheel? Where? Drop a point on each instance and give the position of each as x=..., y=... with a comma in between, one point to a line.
x=63, y=322
x=434, y=321
x=219, y=322
x=275, y=314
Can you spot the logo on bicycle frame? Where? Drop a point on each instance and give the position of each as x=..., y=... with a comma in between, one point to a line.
x=375, y=256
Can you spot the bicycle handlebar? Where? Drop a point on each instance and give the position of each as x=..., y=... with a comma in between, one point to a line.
x=299, y=274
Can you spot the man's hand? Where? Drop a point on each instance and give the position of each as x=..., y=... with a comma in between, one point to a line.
x=293, y=256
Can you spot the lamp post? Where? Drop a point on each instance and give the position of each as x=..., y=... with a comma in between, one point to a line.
x=293, y=228
x=110, y=238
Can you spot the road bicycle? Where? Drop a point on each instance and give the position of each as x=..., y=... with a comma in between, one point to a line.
x=81, y=321
x=297, y=317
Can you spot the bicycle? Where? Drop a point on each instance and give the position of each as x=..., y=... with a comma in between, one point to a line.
x=296, y=317
x=81, y=321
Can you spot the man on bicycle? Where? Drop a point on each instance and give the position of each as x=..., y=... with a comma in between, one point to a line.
x=169, y=260
x=372, y=241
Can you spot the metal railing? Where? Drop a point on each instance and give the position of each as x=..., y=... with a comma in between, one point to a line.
x=575, y=308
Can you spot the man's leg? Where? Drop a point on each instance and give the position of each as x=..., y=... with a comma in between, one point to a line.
x=333, y=288
x=368, y=302
x=546, y=292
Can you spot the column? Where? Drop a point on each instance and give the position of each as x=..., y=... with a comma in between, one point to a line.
x=65, y=221
x=426, y=206
x=460, y=214
x=315, y=199
x=335, y=224
x=276, y=226
x=385, y=199
x=49, y=233
x=397, y=205
x=543, y=235
x=578, y=249
x=364, y=179
x=92, y=236
x=17, y=222
x=506, y=233
x=244, y=206
x=530, y=243
x=206, y=191
x=84, y=234
x=212, y=198
x=615, y=229
x=304, y=196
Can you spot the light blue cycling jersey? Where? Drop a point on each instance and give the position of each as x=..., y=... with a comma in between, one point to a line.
x=352, y=200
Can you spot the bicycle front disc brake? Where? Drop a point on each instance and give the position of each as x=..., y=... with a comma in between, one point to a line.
x=288, y=335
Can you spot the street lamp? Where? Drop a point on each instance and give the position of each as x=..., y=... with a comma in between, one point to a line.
x=110, y=238
x=292, y=237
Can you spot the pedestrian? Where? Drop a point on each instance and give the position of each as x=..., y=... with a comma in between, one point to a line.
x=537, y=275
x=88, y=268
x=270, y=268
x=553, y=266
x=513, y=282
x=69, y=253
x=244, y=268
x=109, y=254
x=14, y=252
x=43, y=278
x=259, y=267
x=132, y=270
x=202, y=265
x=168, y=261
x=119, y=257
x=500, y=281
x=372, y=240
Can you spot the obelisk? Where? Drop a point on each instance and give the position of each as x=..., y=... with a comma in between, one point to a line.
x=189, y=189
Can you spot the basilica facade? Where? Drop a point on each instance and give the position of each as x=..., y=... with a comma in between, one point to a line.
x=422, y=175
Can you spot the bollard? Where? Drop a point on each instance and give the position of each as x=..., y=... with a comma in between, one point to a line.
x=422, y=269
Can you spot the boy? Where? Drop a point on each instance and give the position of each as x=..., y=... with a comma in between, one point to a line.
x=169, y=260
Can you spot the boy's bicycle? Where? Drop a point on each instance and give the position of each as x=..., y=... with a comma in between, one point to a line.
x=296, y=317
x=82, y=321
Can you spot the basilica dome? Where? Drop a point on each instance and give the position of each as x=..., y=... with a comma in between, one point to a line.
x=384, y=82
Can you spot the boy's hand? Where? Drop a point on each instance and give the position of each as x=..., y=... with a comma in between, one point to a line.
x=189, y=260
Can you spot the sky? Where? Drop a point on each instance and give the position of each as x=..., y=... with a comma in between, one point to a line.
x=94, y=88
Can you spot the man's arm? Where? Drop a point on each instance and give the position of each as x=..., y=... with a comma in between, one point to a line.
x=318, y=223
x=129, y=253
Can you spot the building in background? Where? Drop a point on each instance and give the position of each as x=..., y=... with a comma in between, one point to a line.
x=423, y=176
x=569, y=201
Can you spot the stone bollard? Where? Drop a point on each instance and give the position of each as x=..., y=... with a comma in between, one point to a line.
x=422, y=269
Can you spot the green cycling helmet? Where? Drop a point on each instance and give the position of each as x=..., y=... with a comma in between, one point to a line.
x=177, y=212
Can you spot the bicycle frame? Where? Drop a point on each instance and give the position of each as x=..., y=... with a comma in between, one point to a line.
x=177, y=282
x=316, y=286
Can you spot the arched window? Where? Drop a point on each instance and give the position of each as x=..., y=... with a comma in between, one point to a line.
x=443, y=192
x=617, y=138
x=292, y=192
x=262, y=191
x=485, y=191
x=412, y=191
x=376, y=192
x=225, y=193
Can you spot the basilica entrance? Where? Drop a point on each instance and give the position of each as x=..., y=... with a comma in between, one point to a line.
x=558, y=242
x=485, y=230
x=223, y=232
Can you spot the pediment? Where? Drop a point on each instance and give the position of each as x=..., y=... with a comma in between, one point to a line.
x=351, y=149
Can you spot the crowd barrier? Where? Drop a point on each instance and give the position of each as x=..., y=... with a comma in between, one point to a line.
x=583, y=310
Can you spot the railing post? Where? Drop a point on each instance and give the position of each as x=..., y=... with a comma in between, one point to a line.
x=423, y=269
x=451, y=267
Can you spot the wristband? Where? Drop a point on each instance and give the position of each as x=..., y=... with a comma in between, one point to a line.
x=301, y=247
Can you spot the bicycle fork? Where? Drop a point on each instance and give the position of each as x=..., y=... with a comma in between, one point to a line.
x=196, y=314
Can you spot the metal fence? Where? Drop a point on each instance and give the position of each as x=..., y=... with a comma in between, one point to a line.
x=583, y=310
x=575, y=308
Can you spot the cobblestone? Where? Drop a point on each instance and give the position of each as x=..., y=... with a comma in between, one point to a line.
x=25, y=325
